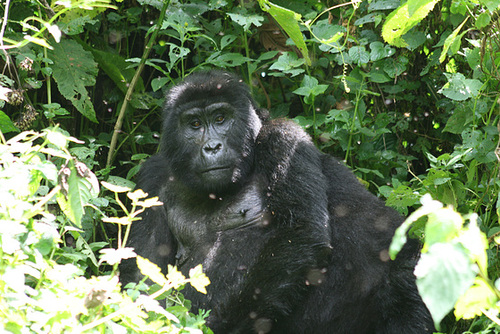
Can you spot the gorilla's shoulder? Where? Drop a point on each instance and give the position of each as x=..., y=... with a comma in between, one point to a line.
x=282, y=131
x=153, y=175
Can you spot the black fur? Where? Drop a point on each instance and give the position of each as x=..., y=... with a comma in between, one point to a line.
x=291, y=241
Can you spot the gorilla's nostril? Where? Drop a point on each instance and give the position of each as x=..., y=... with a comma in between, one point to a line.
x=212, y=147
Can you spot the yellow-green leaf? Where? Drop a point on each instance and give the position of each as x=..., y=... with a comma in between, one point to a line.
x=402, y=19
x=479, y=297
x=175, y=277
x=151, y=270
x=198, y=279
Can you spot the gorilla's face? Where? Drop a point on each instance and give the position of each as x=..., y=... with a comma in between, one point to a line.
x=206, y=132
x=209, y=133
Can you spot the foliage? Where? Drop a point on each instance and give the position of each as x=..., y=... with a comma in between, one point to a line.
x=45, y=286
x=405, y=92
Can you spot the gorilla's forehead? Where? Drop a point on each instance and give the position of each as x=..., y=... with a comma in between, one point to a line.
x=198, y=107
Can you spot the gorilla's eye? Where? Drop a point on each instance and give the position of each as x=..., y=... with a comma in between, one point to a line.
x=219, y=119
x=196, y=124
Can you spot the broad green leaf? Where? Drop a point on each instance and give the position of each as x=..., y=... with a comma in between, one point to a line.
x=309, y=88
x=359, y=55
x=117, y=68
x=328, y=34
x=378, y=75
x=458, y=120
x=483, y=20
x=460, y=89
x=379, y=51
x=73, y=70
x=151, y=270
x=443, y=274
x=6, y=124
x=401, y=20
x=289, y=21
x=395, y=67
x=372, y=17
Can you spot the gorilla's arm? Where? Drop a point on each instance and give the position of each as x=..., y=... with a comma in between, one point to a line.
x=150, y=236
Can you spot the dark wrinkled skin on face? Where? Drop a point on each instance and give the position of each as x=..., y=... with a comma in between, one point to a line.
x=291, y=241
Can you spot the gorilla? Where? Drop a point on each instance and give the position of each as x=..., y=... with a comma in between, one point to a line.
x=292, y=242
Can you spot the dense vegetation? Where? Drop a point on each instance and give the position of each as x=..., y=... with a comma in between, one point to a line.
x=406, y=93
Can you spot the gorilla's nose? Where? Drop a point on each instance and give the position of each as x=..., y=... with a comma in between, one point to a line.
x=212, y=147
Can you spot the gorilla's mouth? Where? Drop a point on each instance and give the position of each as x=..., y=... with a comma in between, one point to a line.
x=215, y=169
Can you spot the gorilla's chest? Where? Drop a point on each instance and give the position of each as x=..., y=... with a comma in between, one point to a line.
x=200, y=229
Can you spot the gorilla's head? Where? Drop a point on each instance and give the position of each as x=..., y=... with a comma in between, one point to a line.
x=210, y=126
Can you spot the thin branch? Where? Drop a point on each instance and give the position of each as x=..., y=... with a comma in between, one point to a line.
x=131, y=87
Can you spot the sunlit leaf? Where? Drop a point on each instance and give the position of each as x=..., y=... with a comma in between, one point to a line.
x=113, y=256
x=478, y=298
x=151, y=270
x=452, y=39
x=175, y=277
x=198, y=279
x=401, y=20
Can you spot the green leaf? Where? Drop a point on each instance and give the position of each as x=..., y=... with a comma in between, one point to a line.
x=452, y=39
x=77, y=193
x=289, y=21
x=443, y=225
x=6, y=124
x=379, y=51
x=483, y=20
x=310, y=88
x=246, y=19
x=444, y=274
x=492, y=5
x=401, y=20
x=458, y=120
x=383, y=5
x=117, y=68
x=73, y=70
x=359, y=55
x=460, y=89
x=288, y=63
x=395, y=67
x=227, y=59
x=158, y=83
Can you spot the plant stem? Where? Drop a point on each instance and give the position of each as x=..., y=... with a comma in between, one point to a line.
x=131, y=87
